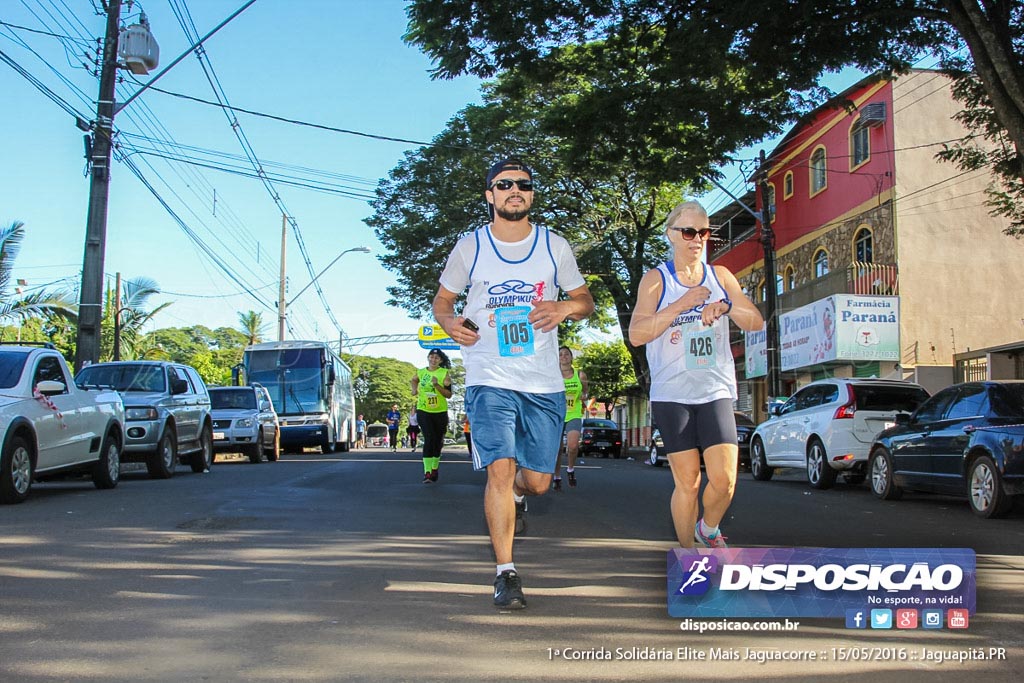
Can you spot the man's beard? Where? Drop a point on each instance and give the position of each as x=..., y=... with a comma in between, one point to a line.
x=512, y=215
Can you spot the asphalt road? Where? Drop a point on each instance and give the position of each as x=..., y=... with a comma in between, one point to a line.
x=347, y=567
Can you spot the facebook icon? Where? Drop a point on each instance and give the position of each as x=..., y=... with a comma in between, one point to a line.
x=856, y=618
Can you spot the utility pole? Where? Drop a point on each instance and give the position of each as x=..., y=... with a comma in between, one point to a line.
x=90, y=307
x=117, y=317
x=280, y=293
x=771, y=298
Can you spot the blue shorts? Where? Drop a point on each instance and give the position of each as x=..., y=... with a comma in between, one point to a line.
x=515, y=424
x=574, y=425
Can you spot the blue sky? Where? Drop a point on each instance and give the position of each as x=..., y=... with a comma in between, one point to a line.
x=339, y=63
x=336, y=63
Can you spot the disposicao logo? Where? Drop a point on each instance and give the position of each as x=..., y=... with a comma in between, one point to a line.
x=697, y=579
x=819, y=582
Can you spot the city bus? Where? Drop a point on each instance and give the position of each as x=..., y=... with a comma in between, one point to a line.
x=311, y=388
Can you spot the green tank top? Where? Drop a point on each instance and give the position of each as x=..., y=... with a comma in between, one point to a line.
x=427, y=399
x=573, y=396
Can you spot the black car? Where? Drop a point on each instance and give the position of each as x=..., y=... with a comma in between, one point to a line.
x=600, y=437
x=967, y=439
x=744, y=428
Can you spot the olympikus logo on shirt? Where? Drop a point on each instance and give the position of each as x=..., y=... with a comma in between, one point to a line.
x=691, y=316
x=512, y=292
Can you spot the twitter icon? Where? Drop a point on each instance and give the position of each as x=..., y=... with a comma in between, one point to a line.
x=881, y=618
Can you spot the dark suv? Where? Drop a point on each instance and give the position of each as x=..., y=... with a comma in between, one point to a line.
x=167, y=413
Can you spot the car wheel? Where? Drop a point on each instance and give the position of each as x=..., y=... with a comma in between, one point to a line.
x=327, y=445
x=881, y=469
x=275, y=451
x=202, y=460
x=819, y=474
x=759, y=462
x=255, y=450
x=653, y=457
x=985, y=489
x=107, y=470
x=16, y=478
x=161, y=463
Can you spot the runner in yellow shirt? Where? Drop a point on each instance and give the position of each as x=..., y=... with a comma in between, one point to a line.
x=576, y=389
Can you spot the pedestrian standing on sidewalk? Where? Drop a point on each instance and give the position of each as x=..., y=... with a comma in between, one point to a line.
x=360, y=432
x=432, y=387
x=508, y=331
x=682, y=314
x=412, y=429
x=576, y=390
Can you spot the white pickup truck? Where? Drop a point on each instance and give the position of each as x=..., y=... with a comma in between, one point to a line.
x=51, y=427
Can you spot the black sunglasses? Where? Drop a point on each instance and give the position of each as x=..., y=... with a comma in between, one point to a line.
x=506, y=184
x=690, y=233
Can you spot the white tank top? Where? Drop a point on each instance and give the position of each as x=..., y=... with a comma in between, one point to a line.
x=691, y=363
x=511, y=354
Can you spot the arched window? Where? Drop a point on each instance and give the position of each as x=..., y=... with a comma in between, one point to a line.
x=819, y=176
x=771, y=201
x=762, y=291
x=787, y=185
x=790, y=278
x=820, y=263
x=863, y=246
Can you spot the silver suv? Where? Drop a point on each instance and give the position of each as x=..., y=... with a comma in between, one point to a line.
x=244, y=422
x=167, y=413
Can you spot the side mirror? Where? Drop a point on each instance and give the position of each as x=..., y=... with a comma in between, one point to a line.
x=902, y=418
x=265, y=406
x=178, y=386
x=49, y=387
x=330, y=374
x=774, y=409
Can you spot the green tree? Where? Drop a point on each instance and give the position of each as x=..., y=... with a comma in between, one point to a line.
x=252, y=326
x=384, y=381
x=19, y=308
x=613, y=219
x=609, y=370
x=708, y=77
x=135, y=294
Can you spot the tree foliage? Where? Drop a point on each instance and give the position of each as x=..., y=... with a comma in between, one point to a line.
x=381, y=382
x=718, y=74
x=609, y=370
x=19, y=307
x=610, y=215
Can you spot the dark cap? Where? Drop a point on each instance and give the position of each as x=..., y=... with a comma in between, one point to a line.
x=435, y=352
x=507, y=165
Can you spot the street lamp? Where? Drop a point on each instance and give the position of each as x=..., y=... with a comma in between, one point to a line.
x=282, y=306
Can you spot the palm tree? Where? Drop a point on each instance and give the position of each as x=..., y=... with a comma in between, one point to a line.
x=41, y=304
x=251, y=324
x=132, y=309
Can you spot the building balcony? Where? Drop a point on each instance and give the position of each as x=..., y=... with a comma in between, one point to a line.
x=866, y=279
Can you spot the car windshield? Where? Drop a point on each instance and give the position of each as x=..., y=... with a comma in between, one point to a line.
x=11, y=365
x=600, y=424
x=123, y=377
x=233, y=399
x=889, y=398
x=1008, y=400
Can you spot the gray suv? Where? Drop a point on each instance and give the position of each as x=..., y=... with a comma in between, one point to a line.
x=244, y=422
x=167, y=413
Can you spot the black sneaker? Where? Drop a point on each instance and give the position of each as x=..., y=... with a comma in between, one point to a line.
x=508, y=591
x=572, y=478
x=556, y=484
x=427, y=479
x=433, y=475
x=520, y=517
